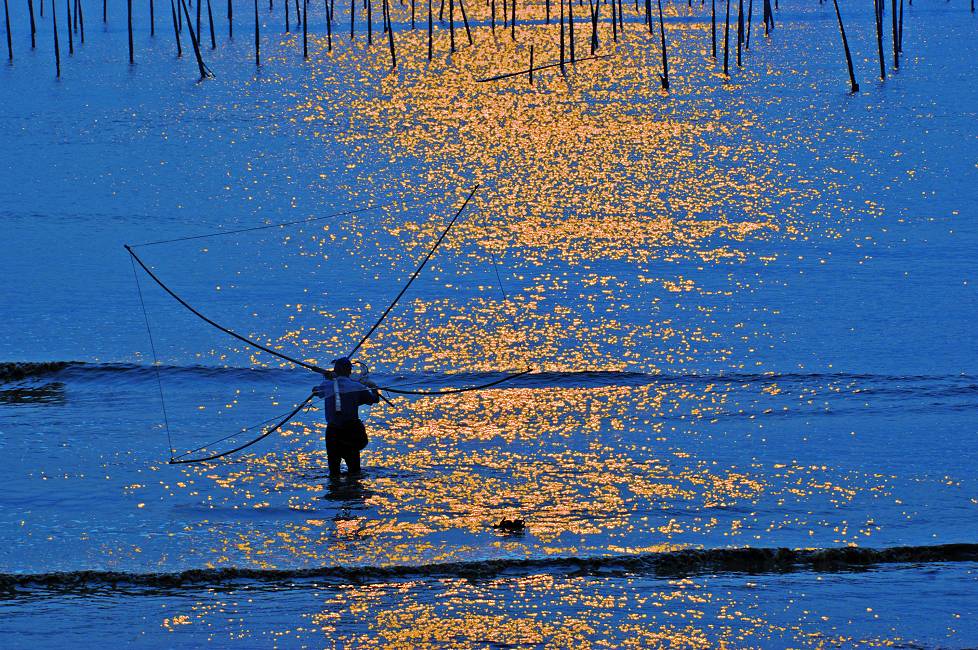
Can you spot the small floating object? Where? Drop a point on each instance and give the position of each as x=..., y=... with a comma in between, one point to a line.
x=511, y=525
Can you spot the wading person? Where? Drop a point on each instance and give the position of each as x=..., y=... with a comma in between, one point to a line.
x=345, y=433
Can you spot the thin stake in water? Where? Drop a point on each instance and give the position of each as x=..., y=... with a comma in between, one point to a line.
x=129, y=26
x=570, y=28
x=664, y=77
x=204, y=72
x=878, y=7
x=390, y=35
x=896, y=35
x=210, y=23
x=726, y=41
x=57, y=47
x=740, y=29
x=845, y=45
x=10, y=44
x=713, y=25
x=176, y=30
x=30, y=9
x=71, y=39
x=465, y=21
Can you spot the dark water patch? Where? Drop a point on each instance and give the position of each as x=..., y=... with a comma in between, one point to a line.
x=18, y=371
x=53, y=393
x=83, y=371
x=941, y=386
x=672, y=564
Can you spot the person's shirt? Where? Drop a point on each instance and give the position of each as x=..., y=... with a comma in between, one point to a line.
x=352, y=395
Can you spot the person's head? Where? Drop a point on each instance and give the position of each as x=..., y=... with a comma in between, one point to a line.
x=342, y=367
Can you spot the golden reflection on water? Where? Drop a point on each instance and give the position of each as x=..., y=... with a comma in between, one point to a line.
x=580, y=171
x=596, y=167
x=544, y=610
x=595, y=471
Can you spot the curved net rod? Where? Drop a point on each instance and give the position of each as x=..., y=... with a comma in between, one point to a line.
x=226, y=330
x=415, y=274
x=181, y=460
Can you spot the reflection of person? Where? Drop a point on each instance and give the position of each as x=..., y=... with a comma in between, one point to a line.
x=345, y=433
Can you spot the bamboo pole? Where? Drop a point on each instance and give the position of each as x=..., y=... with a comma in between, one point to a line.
x=329, y=26
x=750, y=13
x=713, y=26
x=900, y=40
x=390, y=35
x=845, y=45
x=176, y=30
x=740, y=29
x=878, y=7
x=664, y=77
x=595, y=8
x=204, y=72
x=512, y=20
x=30, y=9
x=563, y=70
x=896, y=35
x=10, y=43
x=257, y=37
x=465, y=21
x=132, y=58
x=71, y=39
x=726, y=41
x=57, y=47
x=430, y=45
x=210, y=23
x=570, y=29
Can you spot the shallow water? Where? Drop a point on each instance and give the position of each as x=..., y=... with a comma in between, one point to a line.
x=748, y=306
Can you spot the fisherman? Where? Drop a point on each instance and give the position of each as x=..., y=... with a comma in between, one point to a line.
x=345, y=433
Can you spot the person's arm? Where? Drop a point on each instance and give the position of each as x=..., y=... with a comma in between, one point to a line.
x=370, y=394
x=320, y=390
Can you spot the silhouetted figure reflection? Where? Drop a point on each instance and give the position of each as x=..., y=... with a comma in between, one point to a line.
x=345, y=433
x=346, y=488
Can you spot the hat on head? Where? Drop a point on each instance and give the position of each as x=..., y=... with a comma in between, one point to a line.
x=342, y=366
